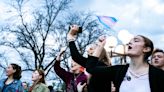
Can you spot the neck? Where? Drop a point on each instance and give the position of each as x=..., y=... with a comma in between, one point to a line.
x=138, y=65
x=10, y=78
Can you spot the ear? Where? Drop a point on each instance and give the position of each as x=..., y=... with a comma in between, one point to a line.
x=147, y=49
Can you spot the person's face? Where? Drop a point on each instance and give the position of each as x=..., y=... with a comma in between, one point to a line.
x=136, y=46
x=36, y=76
x=24, y=85
x=158, y=59
x=75, y=68
x=10, y=71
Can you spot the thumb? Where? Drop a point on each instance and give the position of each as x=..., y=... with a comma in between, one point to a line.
x=84, y=84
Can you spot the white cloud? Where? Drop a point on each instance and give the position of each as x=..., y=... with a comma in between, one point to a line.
x=143, y=17
x=154, y=5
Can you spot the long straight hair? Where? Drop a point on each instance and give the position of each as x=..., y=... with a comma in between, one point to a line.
x=42, y=80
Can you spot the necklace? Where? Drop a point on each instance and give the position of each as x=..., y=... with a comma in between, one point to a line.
x=137, y=75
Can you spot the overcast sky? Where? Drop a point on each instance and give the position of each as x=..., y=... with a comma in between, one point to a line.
x=144, y=17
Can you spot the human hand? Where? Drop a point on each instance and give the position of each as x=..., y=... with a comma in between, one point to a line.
x=80, y=86
x=62, y=50
x=101, y=40
x=73, y=29
x=71, y=36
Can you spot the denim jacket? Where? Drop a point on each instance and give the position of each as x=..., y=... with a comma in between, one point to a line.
x=15, y=86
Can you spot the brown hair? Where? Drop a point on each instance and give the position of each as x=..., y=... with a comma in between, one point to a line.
x=41, y=72
x=17, y=74
x=104, y=57
x=42, y=80
x=148, y=43
x=157, y=50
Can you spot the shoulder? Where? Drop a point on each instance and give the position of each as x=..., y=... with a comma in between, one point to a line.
x=40, y=88
x=118, y=67
x=17, y=81
x=2, y=83
x=2, y=80
x=155, y=71
x=41, y=85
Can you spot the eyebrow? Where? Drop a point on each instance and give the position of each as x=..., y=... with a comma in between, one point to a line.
x=135, y=38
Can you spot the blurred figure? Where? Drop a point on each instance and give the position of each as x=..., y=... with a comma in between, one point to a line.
x=25, y=86
x=97, y=83
x=157, y=59
x=38, y=79
x=81, y=87
x=51, y=88
x=72, y=77
x=12, y=83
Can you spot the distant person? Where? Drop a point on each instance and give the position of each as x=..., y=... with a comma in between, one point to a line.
x=25, y=86
x=157, y=59
x=38, y=79
x=50, y=87
x=71, y=78
x=12, y=83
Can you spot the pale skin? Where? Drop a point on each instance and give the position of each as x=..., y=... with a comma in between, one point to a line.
x=36, y=76
x=158, y=60
x=135, y=51
x=9, y=72
x=81, y=86
x=75, y=68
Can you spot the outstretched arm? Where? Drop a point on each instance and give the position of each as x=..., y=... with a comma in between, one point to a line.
x=71, y=37
x=62, y=73
x=92, y=66
x=76, y=56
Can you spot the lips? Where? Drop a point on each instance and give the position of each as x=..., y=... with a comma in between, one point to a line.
x=156, y=62
x=129, y=47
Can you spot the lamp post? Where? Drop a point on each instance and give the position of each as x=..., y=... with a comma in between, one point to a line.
x=118, y=50
x=111, y=43
x=125, y=37
x=121, y=51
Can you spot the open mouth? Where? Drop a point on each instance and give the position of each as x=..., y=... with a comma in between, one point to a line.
x=129, y=47
x=156, y=62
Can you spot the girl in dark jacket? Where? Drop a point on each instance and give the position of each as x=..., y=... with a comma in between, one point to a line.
x=97, y=83
x=138, y=76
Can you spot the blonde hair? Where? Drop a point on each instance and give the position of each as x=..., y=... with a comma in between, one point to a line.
x=104, y=57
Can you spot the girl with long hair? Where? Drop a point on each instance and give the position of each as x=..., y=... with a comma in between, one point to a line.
x=12, y=83
x=38, y=79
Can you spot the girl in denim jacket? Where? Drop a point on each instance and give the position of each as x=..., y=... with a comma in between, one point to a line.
x=12, y=83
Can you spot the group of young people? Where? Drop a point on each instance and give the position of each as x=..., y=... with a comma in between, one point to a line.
x=95, y=73
x=13, y=83
x=142, y=74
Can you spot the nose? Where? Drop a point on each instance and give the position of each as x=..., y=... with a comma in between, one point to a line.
x=130, y=43
x=155, y=58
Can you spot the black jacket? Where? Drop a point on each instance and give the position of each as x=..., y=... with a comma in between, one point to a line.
x=97, y=83
x=117, y=74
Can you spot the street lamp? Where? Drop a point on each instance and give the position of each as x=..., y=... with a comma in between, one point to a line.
x=125, y=37
x=120, y=50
